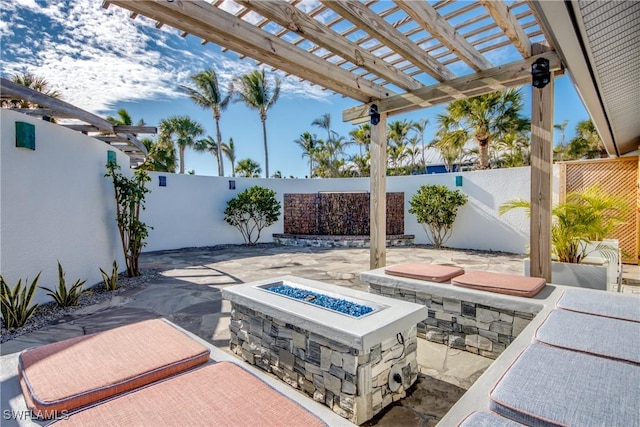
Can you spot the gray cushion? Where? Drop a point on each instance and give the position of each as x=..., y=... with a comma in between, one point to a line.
x=601, y=336
x=606, y=304
x=548, y=386
x=487, y=419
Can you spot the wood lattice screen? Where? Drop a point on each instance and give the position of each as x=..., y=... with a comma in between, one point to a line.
x=616, y=176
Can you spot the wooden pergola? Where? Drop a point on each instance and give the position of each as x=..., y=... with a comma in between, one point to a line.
x=391, y=57
x=123, y=138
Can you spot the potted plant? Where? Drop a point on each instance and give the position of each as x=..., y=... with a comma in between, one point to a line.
x=580, y=256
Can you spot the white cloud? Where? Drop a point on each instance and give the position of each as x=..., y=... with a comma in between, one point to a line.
x=98, y=57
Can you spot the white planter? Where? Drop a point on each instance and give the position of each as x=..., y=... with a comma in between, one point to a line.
x=592, y=276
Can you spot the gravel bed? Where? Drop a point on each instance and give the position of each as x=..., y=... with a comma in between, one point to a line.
x=47, y=313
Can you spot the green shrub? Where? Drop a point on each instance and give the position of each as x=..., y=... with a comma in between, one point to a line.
x=130, y=195
x=436, y=207
x=251, y=211
x=583, y=217
x=62, y=296
x=110, y=280
x=14, y=303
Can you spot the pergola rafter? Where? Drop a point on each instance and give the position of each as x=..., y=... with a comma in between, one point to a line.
x=383, y=53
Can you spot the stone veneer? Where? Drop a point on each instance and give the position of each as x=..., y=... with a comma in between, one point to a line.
x=339, y=241
x=354, y=365
x=464, y=325
x=353, y=383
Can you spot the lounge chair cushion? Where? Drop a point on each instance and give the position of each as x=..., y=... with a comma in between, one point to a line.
x=601, y=336
x=424, y=271
x=487, y=419
x=549, y=386
x=604, y=304
x=80, y=371
x=501, y=283
x=219, y=394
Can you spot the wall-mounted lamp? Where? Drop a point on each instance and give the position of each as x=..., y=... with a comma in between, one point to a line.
x=541, y=76
x=374, y=115
x=232, y=184
x=111, y=157
x=25, y=135
x=162, y=181
x=458, y=181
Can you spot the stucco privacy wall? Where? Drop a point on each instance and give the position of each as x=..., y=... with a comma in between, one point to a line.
x=189, y=210
x=55, y=205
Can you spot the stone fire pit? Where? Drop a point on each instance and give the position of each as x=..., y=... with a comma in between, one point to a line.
x=354, y=364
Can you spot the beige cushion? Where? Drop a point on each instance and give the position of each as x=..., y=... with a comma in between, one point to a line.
x=501, y=283
x=424, y=271
x=220, y=394
x=69, y=374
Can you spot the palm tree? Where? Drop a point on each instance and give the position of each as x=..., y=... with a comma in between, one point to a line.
x=420, y=127
x=123, y=118
x=207, y=95
x=209, y=145
x=361, y=136
x=161, y=156
x=181, y=131
x=248, y=168
x=587, y=144
x=487, y=115
x=309, y=144
x=31, y=81
x=259, y=94
x=361, y=164
x=230, y=152
x=450, y=141
x=324, y=122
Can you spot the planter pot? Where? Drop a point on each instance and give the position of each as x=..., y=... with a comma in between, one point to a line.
x=592, y=276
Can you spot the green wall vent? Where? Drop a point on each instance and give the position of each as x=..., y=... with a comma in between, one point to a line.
x=111, y=157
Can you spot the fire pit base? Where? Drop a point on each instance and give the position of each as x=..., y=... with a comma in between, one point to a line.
x=355, y=366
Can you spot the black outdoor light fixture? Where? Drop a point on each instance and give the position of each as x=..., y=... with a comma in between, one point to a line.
x=541, y=76
x=373, y=113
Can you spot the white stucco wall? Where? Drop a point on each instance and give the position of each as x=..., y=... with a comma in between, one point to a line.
x=55, y=204
x=189, y=210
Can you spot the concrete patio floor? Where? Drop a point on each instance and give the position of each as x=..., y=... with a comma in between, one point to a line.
x=187, y=291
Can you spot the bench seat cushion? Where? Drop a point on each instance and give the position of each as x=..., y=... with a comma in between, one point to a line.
x=423, y=271
x=218, y=394
x=487, y=419
x=605, y=304
x=601, y=336
x=549, y=386
x=80, y=371
x=501, y=283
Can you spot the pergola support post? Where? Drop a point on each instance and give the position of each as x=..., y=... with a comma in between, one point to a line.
x=378, y=194
x=542, y=104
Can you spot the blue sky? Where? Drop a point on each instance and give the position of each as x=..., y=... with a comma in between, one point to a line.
x=101, y=60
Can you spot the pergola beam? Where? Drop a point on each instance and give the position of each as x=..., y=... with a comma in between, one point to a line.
x=116, y=129
x=509, y=75
x=378, y=195
x=206, y=21
x=509, y=24
x=427, y=17
x=367, y=20
x=18, y=91
x=294, y=20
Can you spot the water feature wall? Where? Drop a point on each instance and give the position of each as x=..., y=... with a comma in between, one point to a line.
x=338, y=213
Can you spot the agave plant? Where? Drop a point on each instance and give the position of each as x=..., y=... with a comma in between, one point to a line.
x=110, y=280
x=62, y=296
x=14, y=303
x=584, y=216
